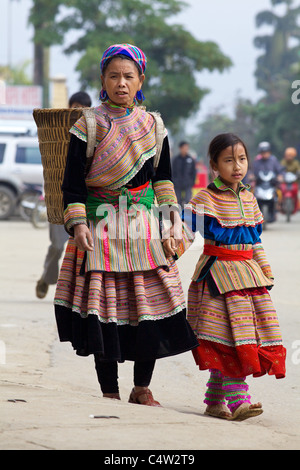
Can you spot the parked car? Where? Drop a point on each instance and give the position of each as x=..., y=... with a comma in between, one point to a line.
x=15, y=127
x=20, y=167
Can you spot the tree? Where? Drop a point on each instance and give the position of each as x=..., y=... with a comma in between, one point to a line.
x=215, y=123
x=174, y=55
x=277, y=116
x=243, y=123
x=275, y=67
x=15, y=75
x=47, y=32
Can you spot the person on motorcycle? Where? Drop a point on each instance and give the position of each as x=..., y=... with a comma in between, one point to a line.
x=290, y=162
x=266, y=163
x=289, y=188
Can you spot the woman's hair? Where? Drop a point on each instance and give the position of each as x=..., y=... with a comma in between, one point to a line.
x=221, y=142
x=123, y=57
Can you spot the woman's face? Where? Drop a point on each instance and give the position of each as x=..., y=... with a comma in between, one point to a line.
x=232, y=166
x=121, y=81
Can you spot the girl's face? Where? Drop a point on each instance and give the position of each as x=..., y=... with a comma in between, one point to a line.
x=232, y=166
x=121, y=81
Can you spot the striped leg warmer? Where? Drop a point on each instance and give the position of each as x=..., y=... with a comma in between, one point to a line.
x=214, y=393
x=236, y=392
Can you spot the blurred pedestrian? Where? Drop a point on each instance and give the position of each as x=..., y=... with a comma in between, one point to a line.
x=183, y=173
x=57, y=234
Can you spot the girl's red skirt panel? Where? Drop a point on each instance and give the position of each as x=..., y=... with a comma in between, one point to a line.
x=238, y=332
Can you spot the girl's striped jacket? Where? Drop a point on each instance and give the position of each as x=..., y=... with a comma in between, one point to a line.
x=231, y=221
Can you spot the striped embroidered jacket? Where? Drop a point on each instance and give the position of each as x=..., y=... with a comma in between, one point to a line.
x=125, y=143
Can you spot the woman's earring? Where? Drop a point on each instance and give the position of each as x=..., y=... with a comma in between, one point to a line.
x=103, y=95
x=140, y=96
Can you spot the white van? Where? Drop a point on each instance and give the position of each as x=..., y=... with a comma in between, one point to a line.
x=20, y=166
x=14, y=127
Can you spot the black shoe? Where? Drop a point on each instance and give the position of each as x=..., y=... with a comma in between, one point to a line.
x=41, y=289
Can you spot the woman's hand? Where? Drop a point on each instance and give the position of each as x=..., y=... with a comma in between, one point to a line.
x=83, y=238
x=169, y=246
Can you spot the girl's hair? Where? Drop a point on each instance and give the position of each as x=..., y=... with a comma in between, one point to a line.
x=123, y=57
x=221, y=142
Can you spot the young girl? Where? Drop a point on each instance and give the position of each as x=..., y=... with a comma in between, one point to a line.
x=229, y=307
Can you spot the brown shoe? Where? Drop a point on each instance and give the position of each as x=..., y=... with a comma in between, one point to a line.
x=218, y=411
x=114, y=396
x=41, y=289
x=148, y=400
x=246, y=410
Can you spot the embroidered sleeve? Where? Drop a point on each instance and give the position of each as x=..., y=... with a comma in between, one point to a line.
x=162, y=181
x=259, y=256
x=74, y=187
x=79, y=129
x=165, y=193
x=74, y=214
x=258, y=217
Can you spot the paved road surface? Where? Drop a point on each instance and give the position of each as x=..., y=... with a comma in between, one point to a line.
x=60, y=390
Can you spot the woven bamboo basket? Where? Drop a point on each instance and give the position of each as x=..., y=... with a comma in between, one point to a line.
x=53, y=133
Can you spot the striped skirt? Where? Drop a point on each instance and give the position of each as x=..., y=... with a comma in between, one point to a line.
x=124, y=315
x=238, y=332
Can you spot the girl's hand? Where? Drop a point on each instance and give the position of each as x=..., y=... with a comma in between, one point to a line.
x=169, y=247
x=83, y=238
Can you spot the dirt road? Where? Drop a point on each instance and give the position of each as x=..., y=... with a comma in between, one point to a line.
x=48, y=394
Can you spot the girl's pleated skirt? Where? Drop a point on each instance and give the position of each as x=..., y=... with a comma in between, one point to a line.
x=238, y=332
x=123, y=316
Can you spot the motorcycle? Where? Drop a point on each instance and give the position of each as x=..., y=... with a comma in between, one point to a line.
x=32, y=206
x=39, y=217
x=289, y=195
x=266, y=195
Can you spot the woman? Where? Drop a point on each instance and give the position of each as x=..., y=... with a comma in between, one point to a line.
x=119, y=295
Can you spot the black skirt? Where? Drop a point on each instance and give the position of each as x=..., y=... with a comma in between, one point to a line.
x=149, y=340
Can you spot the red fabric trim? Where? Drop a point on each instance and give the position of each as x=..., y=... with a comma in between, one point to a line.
x=138, y=188
x=241, y=361
x=224, y=254
x=249, y=291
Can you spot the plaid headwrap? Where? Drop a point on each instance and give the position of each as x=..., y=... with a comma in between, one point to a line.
x=131, y=51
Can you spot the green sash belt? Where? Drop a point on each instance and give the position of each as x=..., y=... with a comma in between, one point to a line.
x=143, y=195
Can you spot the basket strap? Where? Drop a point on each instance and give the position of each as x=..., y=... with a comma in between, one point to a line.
x=91, y=136
x=159, y=135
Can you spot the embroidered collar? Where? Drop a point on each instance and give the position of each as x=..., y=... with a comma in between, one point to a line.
x=219, y=184
x=113, y=108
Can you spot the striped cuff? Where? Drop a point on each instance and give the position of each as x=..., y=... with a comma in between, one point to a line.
x=73, y=215
x=165, y=193
x=259, y=256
